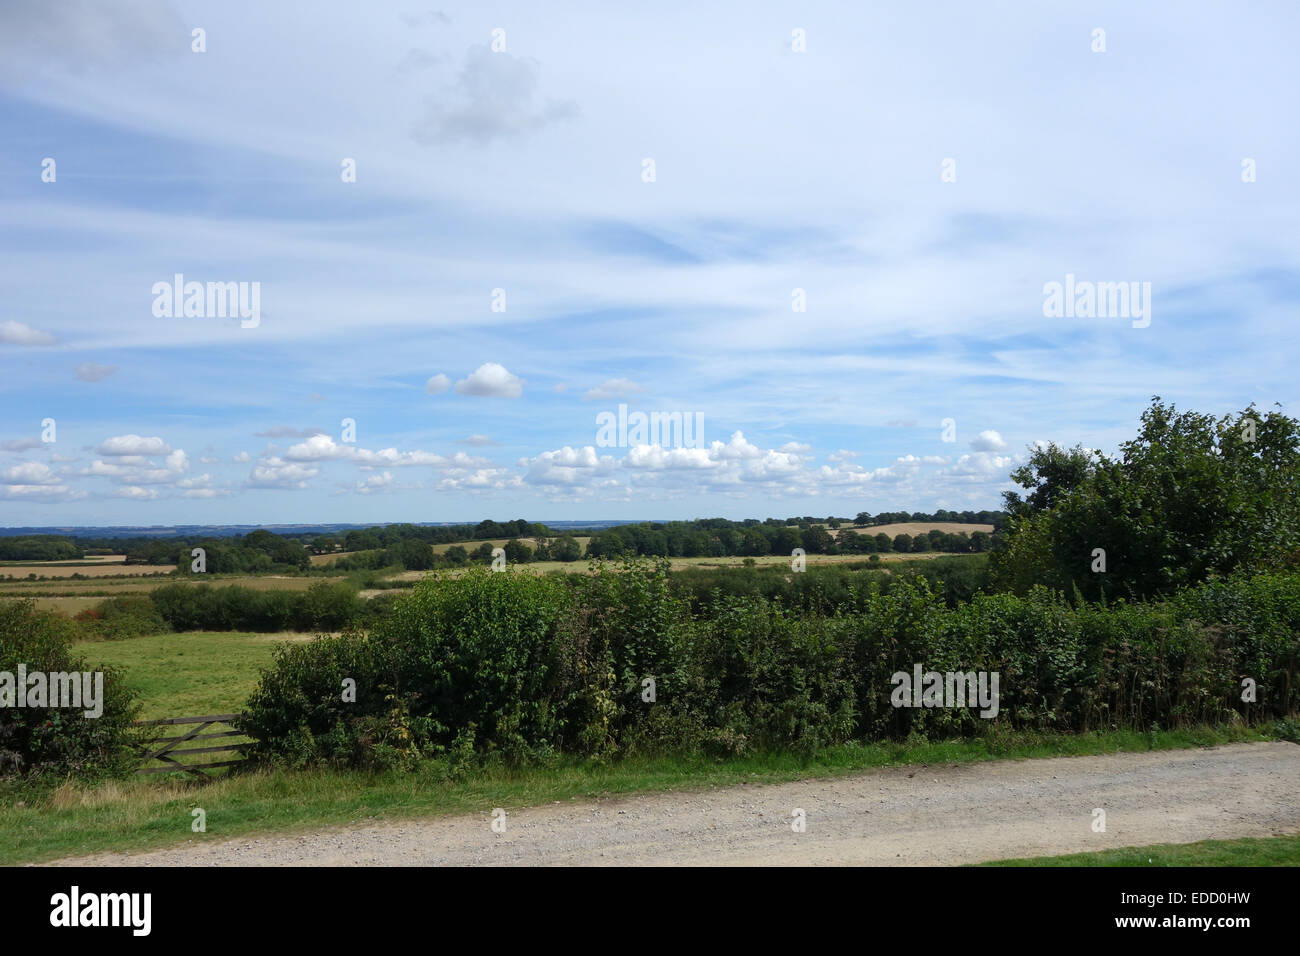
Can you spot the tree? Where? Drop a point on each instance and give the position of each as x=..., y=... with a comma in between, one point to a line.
x=902, y=542
x=517, y=552
x=566, y=548
x=787, y=539
x=1049, y=475
x=863, y=519
x=1189, y=497
x=883, y=542
x=817, y=540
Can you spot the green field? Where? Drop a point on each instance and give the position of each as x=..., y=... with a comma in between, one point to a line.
x=190, y=674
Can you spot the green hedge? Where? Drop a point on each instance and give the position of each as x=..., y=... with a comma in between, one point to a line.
x=57, y=741
x=525, y=666
x=324, y=606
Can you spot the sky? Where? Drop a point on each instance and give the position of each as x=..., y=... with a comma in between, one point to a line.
x=823, y=230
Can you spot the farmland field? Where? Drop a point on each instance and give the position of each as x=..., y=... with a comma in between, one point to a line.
x=197, y=672
x=921, y=527
x=90, y=569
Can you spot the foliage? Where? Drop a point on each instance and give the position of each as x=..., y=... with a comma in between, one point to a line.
x=1188, y=499
x=56, y=741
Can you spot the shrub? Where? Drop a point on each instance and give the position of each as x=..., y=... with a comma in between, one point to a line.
x=524, y=666
x=116, y=618
x=55, y=741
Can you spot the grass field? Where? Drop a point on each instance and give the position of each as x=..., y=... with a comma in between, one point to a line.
x=1261, y=851
x=90, y=569
x=184, y=675
x=107, y=587
x=920, y=527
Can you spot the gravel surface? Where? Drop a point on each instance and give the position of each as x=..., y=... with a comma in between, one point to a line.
x=918, y=815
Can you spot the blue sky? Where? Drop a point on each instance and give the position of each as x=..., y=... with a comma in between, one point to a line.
x=522, y=170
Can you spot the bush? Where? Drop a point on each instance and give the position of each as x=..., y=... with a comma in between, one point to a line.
x=117, y=618
x=523, y=666
x=325, y=606
x=56, y=741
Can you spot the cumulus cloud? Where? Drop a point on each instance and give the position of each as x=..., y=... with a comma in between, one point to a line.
x=280, y=474
x=491, y=380
x=320, y=447
x=242, y=457
x=437, y=384
x=379, y=483
x=39, y=493
x=988, y=441
x=94, y=372
x=16, y=333
x=30, y=473
x=132, y=445
x=842, y=455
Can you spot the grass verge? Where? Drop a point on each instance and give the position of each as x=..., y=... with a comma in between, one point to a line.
x=1257, y=851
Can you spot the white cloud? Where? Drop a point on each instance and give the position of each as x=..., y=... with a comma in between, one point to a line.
x=318, y=448
x=612, y=389
x=16, y=333
x=437, y=384
x=37, y=492
x=242, y=457
x=30, y=473
x=278, y=473
x=988, y=441
x=135, y=493
x=205, y=493
x=133, y=445
x=491, y=380
x=496, y=96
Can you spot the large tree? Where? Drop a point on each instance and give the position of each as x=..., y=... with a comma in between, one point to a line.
x=1189, y=497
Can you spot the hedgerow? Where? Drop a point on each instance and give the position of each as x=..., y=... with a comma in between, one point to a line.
x=521, y=667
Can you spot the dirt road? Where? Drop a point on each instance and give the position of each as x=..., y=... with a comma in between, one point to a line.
x=906, y=816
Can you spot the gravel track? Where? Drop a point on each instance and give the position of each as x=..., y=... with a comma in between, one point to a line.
x=918, y=815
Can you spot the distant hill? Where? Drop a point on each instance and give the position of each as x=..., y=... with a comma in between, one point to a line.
x=234, y=530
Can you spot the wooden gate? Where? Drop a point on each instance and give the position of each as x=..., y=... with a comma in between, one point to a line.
x=167, y=749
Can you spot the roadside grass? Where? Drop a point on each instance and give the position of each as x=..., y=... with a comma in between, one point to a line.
x=44, y=823
x=1254, y=851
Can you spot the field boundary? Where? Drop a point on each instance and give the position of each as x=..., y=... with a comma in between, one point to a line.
x=170, y=749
